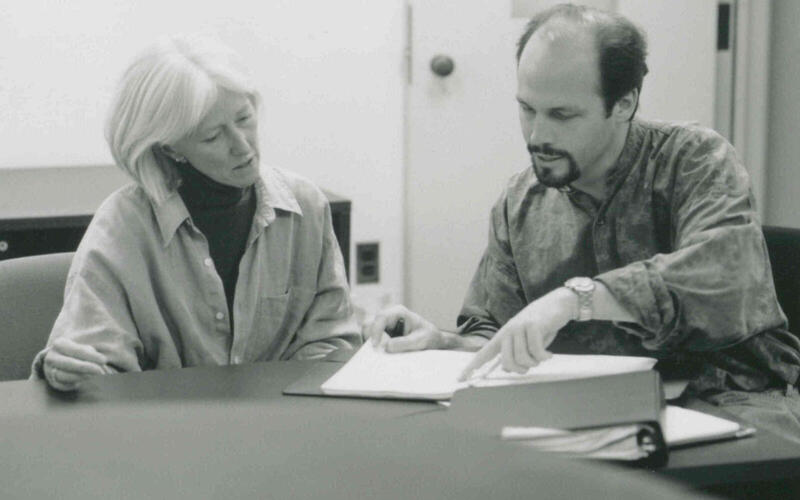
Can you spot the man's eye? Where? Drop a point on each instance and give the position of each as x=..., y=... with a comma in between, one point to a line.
x=244, y=118
x=562, y=116
x=211, y=139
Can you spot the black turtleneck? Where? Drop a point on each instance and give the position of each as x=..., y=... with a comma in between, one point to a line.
x=224, y=214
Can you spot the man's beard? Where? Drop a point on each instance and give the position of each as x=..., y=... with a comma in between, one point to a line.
x=549, y=176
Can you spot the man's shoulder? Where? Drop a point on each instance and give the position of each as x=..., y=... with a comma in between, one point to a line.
x=696, y=157
x=679, y=133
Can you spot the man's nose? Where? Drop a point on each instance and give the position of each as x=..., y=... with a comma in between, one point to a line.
x=540, y=133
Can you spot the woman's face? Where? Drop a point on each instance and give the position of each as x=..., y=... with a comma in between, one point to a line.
x=225, y=145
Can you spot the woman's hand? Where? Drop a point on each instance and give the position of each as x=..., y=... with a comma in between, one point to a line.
x=418, y=333
x=67, y=364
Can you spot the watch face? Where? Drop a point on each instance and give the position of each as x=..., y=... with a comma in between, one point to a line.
x=580, y=284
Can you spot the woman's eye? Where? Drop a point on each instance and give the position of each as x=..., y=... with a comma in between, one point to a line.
x=244, y=118
x=211, y=139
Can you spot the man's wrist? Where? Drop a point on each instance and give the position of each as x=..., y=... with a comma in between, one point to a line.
x=583, y=289
x=570, y=304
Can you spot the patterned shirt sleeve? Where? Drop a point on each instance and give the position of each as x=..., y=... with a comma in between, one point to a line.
x=495, y=294
x=714, y=289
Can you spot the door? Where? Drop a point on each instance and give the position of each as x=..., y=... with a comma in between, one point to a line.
x=463, y=136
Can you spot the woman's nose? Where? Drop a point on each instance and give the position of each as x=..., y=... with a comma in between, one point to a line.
x=239, y=143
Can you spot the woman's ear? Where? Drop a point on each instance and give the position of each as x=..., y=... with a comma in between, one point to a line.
x=170, y=152
x=626, y=106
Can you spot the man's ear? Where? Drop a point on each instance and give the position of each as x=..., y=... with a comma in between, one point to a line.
x=626, y=106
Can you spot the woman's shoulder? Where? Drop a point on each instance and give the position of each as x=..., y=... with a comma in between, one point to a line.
x=124, y=217
x=117, y=237
x=307, y=194
x=124, y=205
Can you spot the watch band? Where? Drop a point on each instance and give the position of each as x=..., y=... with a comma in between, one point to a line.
x=584, y=289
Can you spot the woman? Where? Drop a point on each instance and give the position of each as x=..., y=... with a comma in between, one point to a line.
x=209, y=258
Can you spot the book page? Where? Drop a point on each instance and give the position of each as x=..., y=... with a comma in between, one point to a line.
x=566, y=367
x=432, y=374
x=373, y=372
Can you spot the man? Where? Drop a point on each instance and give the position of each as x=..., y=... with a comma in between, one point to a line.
x=626, y=236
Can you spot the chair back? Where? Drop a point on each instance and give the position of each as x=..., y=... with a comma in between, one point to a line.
x=31, y=296
x=783, y=245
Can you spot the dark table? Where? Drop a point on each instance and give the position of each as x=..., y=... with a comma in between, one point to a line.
x=228, y=432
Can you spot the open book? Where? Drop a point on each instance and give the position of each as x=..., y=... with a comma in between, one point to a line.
x=432, y=374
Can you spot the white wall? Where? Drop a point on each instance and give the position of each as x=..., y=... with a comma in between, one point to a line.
x=681, y=36
x=331, y=74
x=783, y=157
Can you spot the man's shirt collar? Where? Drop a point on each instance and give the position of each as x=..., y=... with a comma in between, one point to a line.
x=627, y=157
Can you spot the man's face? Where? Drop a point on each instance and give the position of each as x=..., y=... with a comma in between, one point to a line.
x=225, y=145
x=562, y=114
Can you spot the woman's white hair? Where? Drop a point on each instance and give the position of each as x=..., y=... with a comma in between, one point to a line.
x=163, y=96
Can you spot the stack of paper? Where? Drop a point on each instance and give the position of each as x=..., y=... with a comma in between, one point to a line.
x=621, y=442
x=680, y=427
x=433, y=374
x=683, y=426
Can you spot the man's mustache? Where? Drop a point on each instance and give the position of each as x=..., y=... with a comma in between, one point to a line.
x=546, y=149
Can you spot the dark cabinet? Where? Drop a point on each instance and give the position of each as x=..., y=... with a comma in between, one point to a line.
x=20, y=237
x=39, y=235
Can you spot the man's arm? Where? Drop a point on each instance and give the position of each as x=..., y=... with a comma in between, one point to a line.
x=714, y=288
x=712, y=291
x=523, y=340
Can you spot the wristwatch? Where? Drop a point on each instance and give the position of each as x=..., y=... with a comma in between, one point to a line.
x=584, y=289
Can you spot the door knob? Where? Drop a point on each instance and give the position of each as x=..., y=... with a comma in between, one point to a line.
x=442, y=65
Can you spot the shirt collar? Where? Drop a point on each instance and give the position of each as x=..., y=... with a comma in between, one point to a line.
x=170, y=214
x=628, y=156
x=272, y=193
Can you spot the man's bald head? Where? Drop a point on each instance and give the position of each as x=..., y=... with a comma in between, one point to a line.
x=620, y=46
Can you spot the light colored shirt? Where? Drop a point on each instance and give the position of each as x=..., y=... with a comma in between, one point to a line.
x=677, y=242
x=143, y=290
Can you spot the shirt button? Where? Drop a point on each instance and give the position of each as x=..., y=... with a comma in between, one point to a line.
x=237, y=360
x=219, y=315
x=601, y=222
x=208, y=262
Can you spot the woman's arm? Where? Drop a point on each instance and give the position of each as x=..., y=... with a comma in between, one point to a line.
x=329, y=323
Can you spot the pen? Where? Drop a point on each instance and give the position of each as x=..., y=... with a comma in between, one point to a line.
x=474, y=376
x=745, y=432
x=493, y=367
x=398, y=329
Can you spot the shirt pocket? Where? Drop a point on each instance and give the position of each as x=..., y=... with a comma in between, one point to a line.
x=279, y=316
